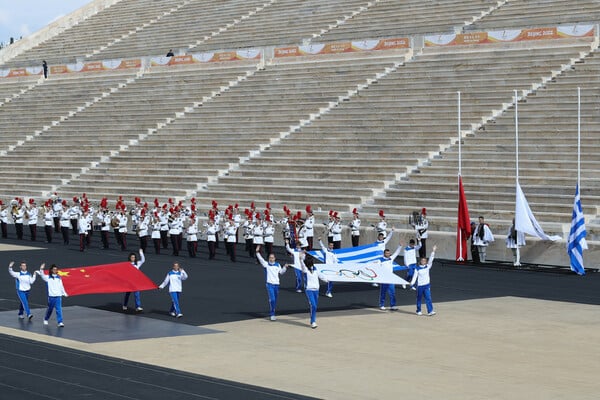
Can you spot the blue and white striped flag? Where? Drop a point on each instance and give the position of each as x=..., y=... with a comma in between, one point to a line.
x=361, y=254
x=576, y=243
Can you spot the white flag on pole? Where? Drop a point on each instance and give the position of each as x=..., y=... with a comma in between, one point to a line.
x=524, y=219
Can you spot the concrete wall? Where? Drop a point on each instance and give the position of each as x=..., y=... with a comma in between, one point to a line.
x=54, y=29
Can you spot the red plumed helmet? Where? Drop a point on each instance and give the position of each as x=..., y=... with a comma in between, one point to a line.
x=257, y=215
x=156, y=203
x=330, y=213
x=170, y=200
x=424, y=211
x=309, y=209
x=236, y=206
x=268, y=205
x=288, y=212
x=75, y=199
x=31, y=201
x=193, y=207
x=355, y=211
x=298, y=215
x=381, y=214
x=193, y=200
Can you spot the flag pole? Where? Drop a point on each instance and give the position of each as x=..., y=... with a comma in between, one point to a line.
x=579, y=137
x=460, y=233
x=517, y=136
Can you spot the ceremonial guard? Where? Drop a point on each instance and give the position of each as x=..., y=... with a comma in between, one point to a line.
x=482, y=238
x=514, y=241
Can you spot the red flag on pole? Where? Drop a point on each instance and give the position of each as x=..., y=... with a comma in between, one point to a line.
x=463, y=229
x=106, y=278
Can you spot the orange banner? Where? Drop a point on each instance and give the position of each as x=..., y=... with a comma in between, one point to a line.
x=342, y=47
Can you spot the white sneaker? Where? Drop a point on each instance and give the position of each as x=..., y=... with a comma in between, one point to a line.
x=21, y=316
x=273, y=318
x=298, y=291
x=179, y=315
x=172, y=314
x=413, y=288
x=124, y=308
x=431, y=313
x=45, y=322
x=60, y=324
x=328, y=295
x=139, y=309
x=382, y=308
x=394, y=308
x=30, y=316
x=419, y=313
x=375, y=284
x=313, y=325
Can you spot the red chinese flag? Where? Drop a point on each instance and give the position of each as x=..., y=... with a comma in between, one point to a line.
x=106, y=278
x=463, y=230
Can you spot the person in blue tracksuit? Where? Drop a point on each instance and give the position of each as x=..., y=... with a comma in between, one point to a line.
x=137, y=263
x=23, y=280
x=55, y=292
x=388, y=289
x=174, y=280
x=298, y=254
x=329, y=257
x=421, y=277
x=312, y=287
x=272, y=271
x=410, y=259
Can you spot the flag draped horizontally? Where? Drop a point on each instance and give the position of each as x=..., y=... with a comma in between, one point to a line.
x=360, y=254
x=576, y=243
x=525, y=221
x=372, y=272
x=463, y=229
x=106, y=278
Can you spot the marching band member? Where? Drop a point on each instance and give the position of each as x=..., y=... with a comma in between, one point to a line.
x=230, y=235
x=420, y=226
x=355, y=228
x=381, y=226
x=74, y=213
x=191, y=237
x=300, y=232
x=156, y=239
x=336, y=230
x=174, y=280
x=309, y=223
x=273, y=270
x=258, y=233
x=48, y=220
x=122, y=217
x=175, y=230
x=211, y=235
x=285, y=224
x=82, y=226
x=23, y=280
x=55, y=292
x=137, y=263
x=18, y=214
x=4, y=219
x=248, y=227
x=32, y=219
x=143, y=225
x=57, y=209
x=65, y=222
x=164, y=226
x=268, y=232
x=329, y=225
x=237, y=220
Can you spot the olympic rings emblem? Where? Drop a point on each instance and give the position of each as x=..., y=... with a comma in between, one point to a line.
x=366, y=274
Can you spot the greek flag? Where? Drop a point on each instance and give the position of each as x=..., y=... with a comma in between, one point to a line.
x=359, y=254
x=576, y=243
